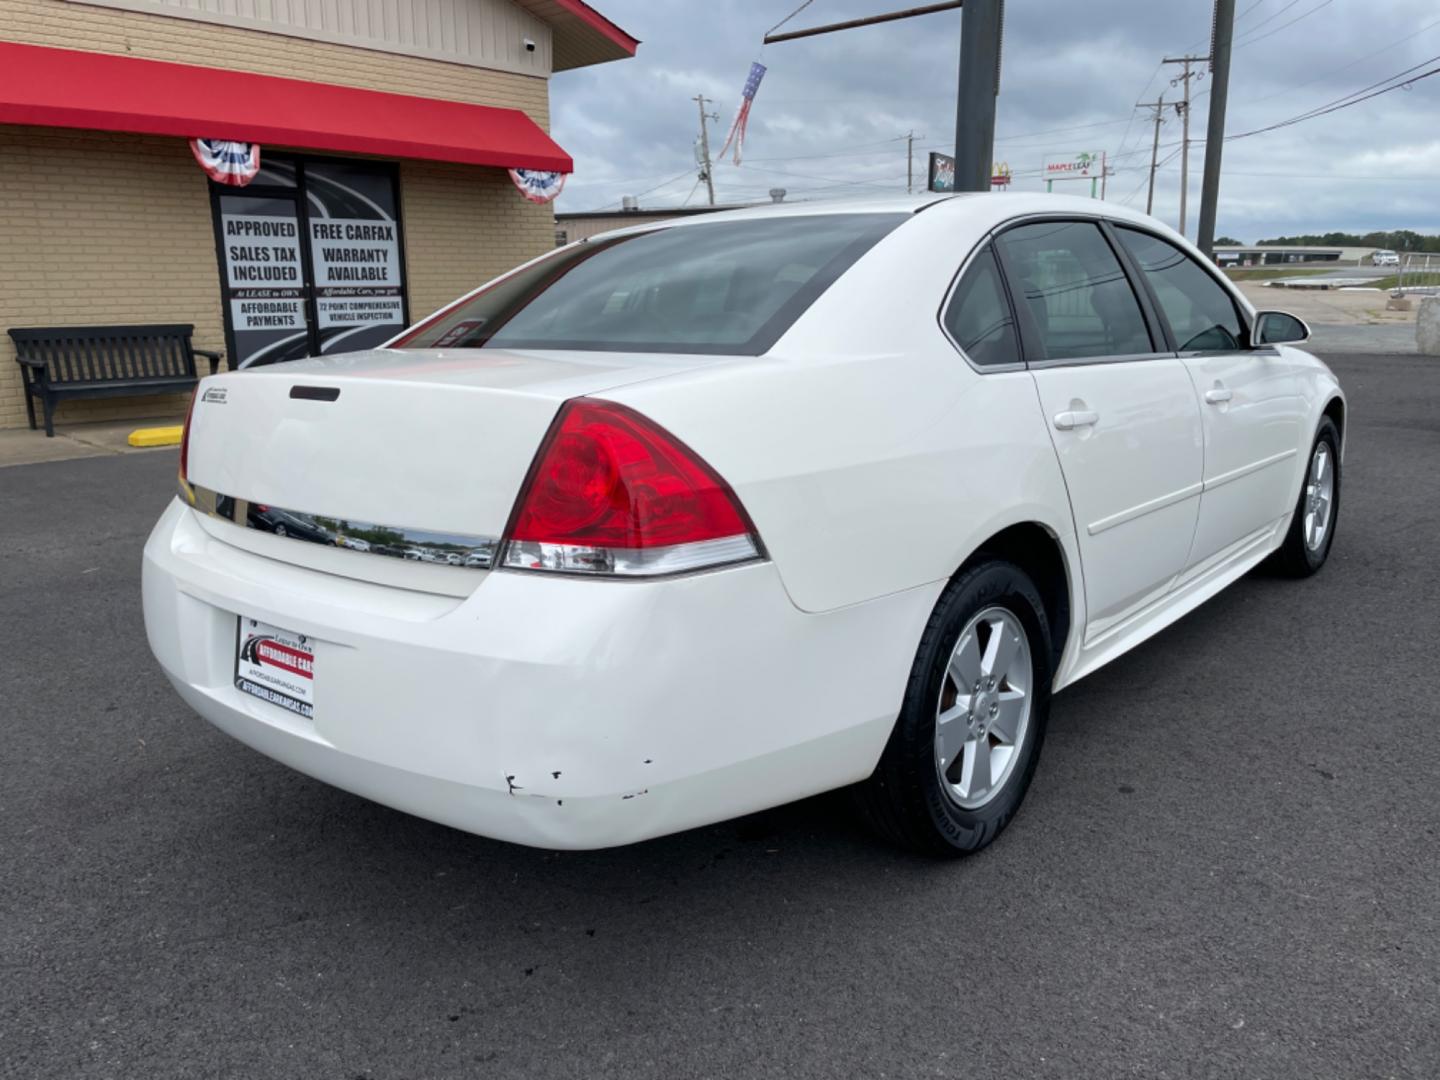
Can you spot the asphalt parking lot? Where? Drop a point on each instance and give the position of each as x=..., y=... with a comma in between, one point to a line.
x=1228, y=865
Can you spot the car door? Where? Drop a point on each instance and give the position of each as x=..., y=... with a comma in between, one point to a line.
x=1121, y=411
x=1251, y=403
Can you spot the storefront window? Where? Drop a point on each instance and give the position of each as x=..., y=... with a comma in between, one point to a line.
x=312, y=260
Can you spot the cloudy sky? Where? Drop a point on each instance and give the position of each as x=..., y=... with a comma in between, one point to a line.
x=833, y=111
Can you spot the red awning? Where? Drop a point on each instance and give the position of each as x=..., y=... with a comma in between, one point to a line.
x=99, y=91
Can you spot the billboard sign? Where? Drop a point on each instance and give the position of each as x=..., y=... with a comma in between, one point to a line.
x=1078, y=167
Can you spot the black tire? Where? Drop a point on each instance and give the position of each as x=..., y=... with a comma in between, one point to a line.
x=905, y=800
x=1294, y=558
x=280, y=530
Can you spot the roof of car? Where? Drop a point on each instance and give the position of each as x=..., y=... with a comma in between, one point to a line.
x=996, y=207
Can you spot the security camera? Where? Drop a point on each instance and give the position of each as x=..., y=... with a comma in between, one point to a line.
x=529, y=44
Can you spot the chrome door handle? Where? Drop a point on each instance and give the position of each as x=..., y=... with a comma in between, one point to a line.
x=1072, y=419
x=1218, y=396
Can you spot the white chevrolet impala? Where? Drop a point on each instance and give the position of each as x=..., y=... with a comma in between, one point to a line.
x=693, y=519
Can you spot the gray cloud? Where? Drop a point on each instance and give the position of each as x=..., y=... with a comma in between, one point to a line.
x=833, y=111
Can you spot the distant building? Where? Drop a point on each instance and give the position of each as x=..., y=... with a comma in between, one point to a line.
x=1278, y=254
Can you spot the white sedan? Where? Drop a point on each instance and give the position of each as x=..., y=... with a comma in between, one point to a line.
x=758, y=505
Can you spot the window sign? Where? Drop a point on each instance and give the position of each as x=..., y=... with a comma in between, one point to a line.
x=312, y=260
x=264, y=280
x=355, y=252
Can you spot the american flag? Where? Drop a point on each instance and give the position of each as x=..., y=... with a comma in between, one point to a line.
x=742, y=117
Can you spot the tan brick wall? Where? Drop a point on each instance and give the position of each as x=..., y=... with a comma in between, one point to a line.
x=101, y=228
x=464, y=226
x=108, y=228
x=157, y=37
x=111, y=228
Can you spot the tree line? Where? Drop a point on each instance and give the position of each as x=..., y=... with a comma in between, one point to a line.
x=1398, y=240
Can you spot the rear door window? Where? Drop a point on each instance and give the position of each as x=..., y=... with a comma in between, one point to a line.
x=1075, y=290
x=722, y=287
x=1202, y=315
x=978, y=316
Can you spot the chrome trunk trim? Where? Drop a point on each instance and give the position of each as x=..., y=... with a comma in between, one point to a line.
x=361, y=537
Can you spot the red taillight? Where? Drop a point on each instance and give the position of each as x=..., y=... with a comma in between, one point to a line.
x=185, y=449
x=611, y=492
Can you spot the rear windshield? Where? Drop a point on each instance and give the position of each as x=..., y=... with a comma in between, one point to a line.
x=727, y=287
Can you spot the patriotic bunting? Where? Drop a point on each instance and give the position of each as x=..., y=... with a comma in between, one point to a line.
x=537, y=186
x=227, y=162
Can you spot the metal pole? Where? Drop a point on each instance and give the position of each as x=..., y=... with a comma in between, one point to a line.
x=910, y=162
x=1215, y=132
x=980, y=31
x=700, y=100
x=1104, y=174
x=1159, y=108
x=869, y=20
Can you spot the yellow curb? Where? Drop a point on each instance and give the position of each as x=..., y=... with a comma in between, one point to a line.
x=156, y=436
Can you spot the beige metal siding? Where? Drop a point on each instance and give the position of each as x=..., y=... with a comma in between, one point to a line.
x=69, y=25
x=479, y=33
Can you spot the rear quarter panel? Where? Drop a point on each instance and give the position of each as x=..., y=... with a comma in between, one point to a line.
x=871, y=457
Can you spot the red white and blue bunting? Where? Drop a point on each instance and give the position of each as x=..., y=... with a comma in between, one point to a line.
x=537, y=186
x=227, y=162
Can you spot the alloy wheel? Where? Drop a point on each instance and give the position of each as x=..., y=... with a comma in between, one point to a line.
x=1319, y=497
x=984, y=708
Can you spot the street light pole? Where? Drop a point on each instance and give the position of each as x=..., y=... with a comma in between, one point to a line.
x=981, y=26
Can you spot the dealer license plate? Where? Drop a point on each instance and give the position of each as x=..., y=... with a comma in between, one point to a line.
x=276, y=665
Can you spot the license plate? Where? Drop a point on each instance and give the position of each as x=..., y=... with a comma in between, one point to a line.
x=275, y=665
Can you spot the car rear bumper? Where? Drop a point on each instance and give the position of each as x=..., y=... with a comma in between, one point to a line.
x=550, y=711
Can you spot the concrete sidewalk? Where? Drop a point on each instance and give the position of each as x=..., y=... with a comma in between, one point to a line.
x=21, y=446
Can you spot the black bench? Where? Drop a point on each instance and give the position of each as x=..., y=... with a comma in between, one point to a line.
x=59, y=362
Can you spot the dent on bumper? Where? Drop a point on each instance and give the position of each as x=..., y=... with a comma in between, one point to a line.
x=548, y=711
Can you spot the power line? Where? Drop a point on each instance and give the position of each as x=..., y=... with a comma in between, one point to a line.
x=1346, y=67
x=1284, y=26
x=1272, y=17
x=1337, y=106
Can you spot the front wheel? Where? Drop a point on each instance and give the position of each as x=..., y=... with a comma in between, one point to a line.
x=968, y=736
x=1312, y=528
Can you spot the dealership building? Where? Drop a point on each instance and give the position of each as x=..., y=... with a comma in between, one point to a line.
x=395, y=140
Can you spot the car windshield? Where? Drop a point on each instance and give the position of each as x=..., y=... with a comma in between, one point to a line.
x=722, y=287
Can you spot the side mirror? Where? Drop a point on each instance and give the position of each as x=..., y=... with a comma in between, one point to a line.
x=1277, y=328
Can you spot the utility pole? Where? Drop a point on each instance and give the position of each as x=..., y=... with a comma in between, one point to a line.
x=910, y=161
x=1221, y=37
x=982, y=24
x=1183, y=108
x=1105, y=172
x=1159, y=107
x=707, y=170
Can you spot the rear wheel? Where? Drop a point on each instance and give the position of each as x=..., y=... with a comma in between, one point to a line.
x=1312, y=528
x=969, y=732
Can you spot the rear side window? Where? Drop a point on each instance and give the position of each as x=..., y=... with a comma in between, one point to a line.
x=1201, y=313
x=1075, y=289
x=978, y=315
x=722, y=287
